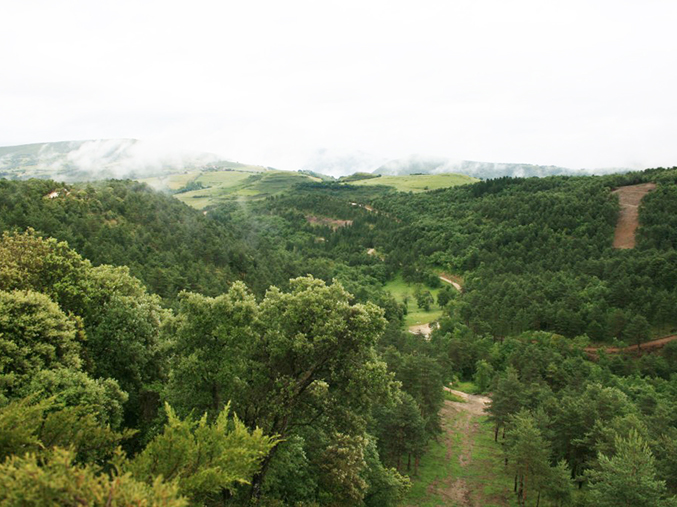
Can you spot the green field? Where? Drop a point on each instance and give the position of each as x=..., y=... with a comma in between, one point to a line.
x=418, y=182
x=415, y=316
x=244, y=182
x=464, y=387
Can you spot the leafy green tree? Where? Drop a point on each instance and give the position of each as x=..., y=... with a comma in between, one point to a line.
x=29, y=262
x=527, y=455
x=637, y=330
x=341, y=466
x=628, y=478
x=309, y=338
x=121, y=321
x=34, y=335
x=101, y=397
x=307, y=354
x=27, y=425
x=123, y=325
x=202, y=459
x=445, y=295
x=55, y=478
x=386, y=487
x=421, y=377
x=401, y=432
x=291, y=478
x=559, y=486
x=213, y=340
x=507, y=399
x=424, y=299
x=484, y=375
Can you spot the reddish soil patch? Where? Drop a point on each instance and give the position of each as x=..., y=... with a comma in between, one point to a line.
x=644, y=348
x=629, y=198
x=328, y=222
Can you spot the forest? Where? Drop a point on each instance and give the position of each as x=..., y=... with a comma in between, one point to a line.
x=250, y=354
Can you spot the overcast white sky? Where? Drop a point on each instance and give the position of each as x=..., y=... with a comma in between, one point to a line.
x=570, y=83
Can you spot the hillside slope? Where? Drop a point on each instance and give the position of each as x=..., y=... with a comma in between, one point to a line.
x=165, y=243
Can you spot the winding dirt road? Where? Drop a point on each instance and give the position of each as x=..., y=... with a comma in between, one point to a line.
x=651, y=346
x=456, y=285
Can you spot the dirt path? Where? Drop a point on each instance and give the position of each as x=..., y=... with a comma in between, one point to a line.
x=651, y=346
x=456, y=285
x=629, y=198
x=460, y=425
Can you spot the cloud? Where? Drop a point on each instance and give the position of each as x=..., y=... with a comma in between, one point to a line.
x=111, y=158
x=574, y=84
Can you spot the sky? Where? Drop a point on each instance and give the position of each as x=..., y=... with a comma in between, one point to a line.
x=578, y=84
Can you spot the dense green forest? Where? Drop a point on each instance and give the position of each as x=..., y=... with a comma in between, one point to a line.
x=153, y=354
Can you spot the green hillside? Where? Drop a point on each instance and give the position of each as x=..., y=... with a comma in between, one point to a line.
x=215, y=186
x=417, y=182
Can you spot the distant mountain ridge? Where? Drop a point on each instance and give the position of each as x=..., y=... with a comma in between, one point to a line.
x=100, y=159
x=417, y=164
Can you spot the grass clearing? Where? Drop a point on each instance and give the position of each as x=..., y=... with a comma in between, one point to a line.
x=240, y=182
x=487, y=470
x=403, y=291
x=418, y=182
x=443, y=481
x=453, y=397
x=434, y=467
x=467, y=387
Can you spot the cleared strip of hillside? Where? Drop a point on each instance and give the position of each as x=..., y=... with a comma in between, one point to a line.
x=464, y=467
x=629, y=198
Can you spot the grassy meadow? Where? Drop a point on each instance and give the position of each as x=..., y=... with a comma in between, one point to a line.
x=402, y=291
x=443, y=481
x=243, y=182
x=418, y=182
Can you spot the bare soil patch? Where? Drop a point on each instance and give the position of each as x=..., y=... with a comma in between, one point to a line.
x=423, y=329
x=629, y=198
x=328, y=222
